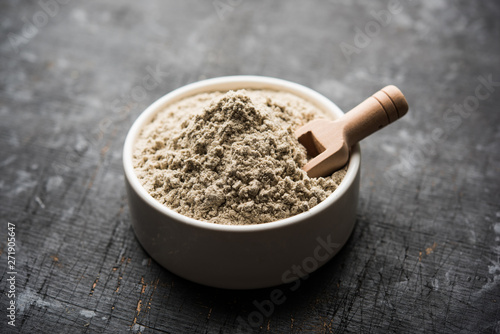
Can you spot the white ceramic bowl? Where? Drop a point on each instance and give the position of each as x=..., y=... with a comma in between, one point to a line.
x=236, y=256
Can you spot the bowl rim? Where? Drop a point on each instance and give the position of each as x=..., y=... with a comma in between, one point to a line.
x=304, y=92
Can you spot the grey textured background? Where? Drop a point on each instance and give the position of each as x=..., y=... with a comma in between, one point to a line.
x=425, y=252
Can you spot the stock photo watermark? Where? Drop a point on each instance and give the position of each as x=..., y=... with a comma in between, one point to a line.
x=152, y=79
x=296, y=274
x=363, y=37
x=33, y=24
x=11, y=274
x=225, y=7
x=453, y=118
x=120, y=109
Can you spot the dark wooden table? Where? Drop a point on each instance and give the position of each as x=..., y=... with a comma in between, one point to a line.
x=425, y=252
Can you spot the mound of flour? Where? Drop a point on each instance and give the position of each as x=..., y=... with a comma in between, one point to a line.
x=231, y=158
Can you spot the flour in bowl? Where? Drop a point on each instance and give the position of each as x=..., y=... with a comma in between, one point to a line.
x=231, y=157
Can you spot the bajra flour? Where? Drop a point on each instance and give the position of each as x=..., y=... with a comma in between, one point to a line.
x=231, y=158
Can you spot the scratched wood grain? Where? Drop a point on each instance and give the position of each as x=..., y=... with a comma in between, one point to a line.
x=425, y=252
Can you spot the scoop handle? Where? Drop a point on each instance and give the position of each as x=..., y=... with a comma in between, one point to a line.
x=382, y=108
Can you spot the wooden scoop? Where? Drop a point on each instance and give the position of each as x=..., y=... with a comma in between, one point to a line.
x=329, y=142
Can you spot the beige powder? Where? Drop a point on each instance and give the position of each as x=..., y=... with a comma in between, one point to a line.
x=231, y=158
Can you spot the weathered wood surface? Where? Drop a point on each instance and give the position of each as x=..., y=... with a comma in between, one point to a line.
x=425, y=253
